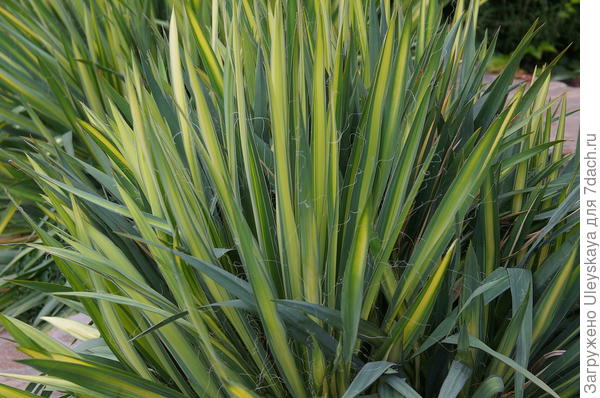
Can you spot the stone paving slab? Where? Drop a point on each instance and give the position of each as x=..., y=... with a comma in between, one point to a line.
x=555, y=90
x=572, y=122
x=9, y=353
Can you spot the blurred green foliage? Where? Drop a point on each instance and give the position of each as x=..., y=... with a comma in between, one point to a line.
x=514, y=18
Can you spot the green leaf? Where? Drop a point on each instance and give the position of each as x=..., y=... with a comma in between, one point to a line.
x=103, y=379
x=476, y=343
x=454, y=382
x=490, y=387
x=400, y=385
x=366, y=376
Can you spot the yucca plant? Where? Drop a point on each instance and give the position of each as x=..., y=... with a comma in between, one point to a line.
x=307, y=199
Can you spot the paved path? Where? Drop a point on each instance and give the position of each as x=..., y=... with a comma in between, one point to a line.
x=572, y=122
x=9, y=354
x=555, y=90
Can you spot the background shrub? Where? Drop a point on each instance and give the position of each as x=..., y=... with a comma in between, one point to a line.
x=561, y=29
